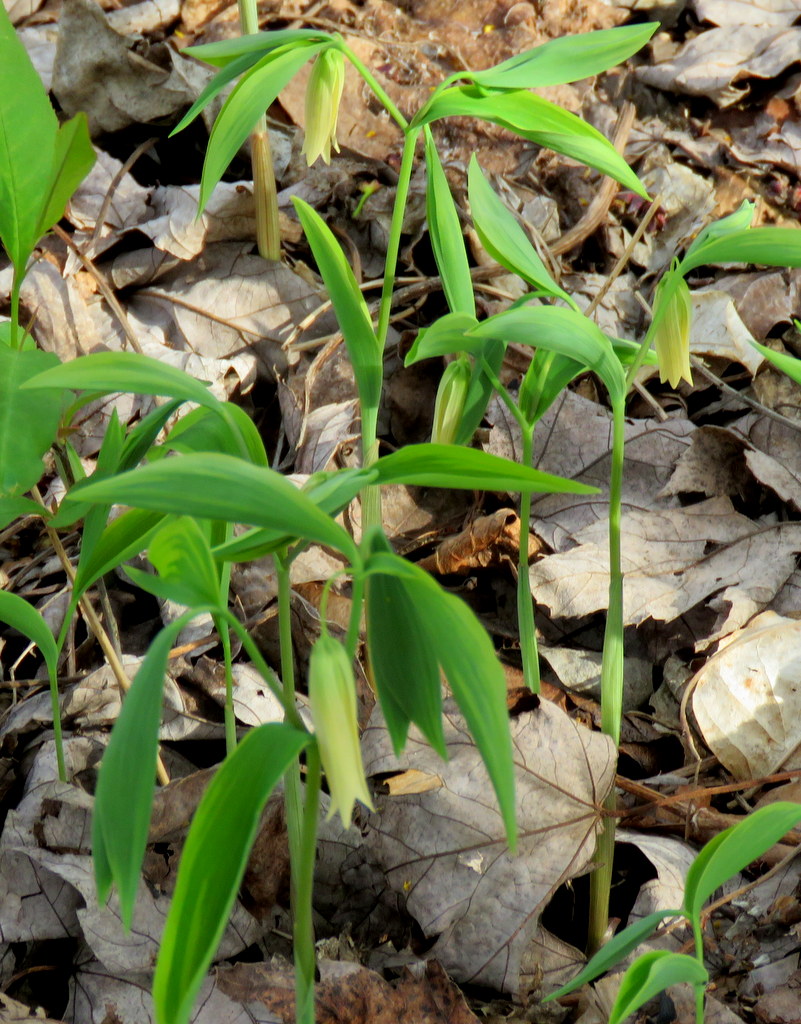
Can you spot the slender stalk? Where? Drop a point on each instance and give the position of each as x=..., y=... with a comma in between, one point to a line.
x=395, y=232
x=303, y=886
x=525, y=606
x=611, y=683
x=268, y=235
x=296, y=816
x=700, y=987
x=15, y=290
x=379, y=91
x=637, y=362
x=230, y=719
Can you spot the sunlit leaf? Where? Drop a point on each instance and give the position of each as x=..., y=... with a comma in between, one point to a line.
x=352, y=314
x=214, y=486
x=445, y=231
x=534, y=118
x=124, y=797
x=255, y=92
x=556, y=329
x=615, y=950
x=567, y=59
x=734, y=849
x=651, y=974
x=213, y=862
x=467, y=657
x=504, y=239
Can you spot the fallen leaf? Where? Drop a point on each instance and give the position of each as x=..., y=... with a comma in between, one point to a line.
x=747, y=698
x=445, y=849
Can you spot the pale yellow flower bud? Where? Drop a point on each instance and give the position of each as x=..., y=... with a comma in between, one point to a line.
x=451, y=398
x=332, y=699
x=673, y=312
x=323, y=96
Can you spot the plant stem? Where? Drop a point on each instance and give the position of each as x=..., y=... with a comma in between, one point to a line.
x=525, y=606
x=395, y=232
x=611, y=682
x=631, y=373
x=379, y=91
x=296, y=817
x=700, y=987
x=268, y=235
x=230, y=719
x=303, y=887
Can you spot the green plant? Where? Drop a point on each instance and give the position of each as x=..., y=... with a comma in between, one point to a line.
x=41, y=165
x=722, y=858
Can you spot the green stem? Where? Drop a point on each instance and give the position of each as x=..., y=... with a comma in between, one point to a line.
x=379, y=91
x=525, y=606
x=268, y=234
x=700, y=987
x=611, y=681
x=293, y=790
x=303, y=888
x=631, y=373
x=229, y=716
x=395, y=232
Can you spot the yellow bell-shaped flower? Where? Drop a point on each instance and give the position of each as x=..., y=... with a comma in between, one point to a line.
x=323, y=96
x=332, y=699
x=451, y=397
x=673, y=311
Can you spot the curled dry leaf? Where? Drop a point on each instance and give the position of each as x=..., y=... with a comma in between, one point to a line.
x=488, y=540
x=445, y=849
x=747, y=698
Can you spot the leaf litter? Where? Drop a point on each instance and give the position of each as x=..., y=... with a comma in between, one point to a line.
x=711, y=501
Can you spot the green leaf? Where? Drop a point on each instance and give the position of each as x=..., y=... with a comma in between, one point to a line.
x=73, y=158
x=445, y=465
x=617, y=949
x=238, y=66
x=181, y=554
x=447, y=239
x=332, y=493
x=547, y=376
x=567, y=59
x=481, y=388
x=783, y=361
x=651, y=974
x=260, y=43
x=214, y=486
x=203, y=430
x=12, y=508
x=768, y=247
x=17, y=613
x=464, y=651
x=349, y=305
x=28, y=128
x=564, y=331
x=126, y=780
x=213, y=863
x=504, y=239
x=538, y=120
x=404, y=661
x=255, y=92
x=125, y=537
x=734, y=849
x=740, y=220
x=446, y=336
x=28, y=418
x=108, y=372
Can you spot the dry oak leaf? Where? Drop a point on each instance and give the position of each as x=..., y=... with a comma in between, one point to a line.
x=446, y=851
x=747, y=698
x=351, y=994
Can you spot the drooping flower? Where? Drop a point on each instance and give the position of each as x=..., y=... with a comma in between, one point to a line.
x=673, y=311
x=451, y=397
x=323, y=96
x=332, y=699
